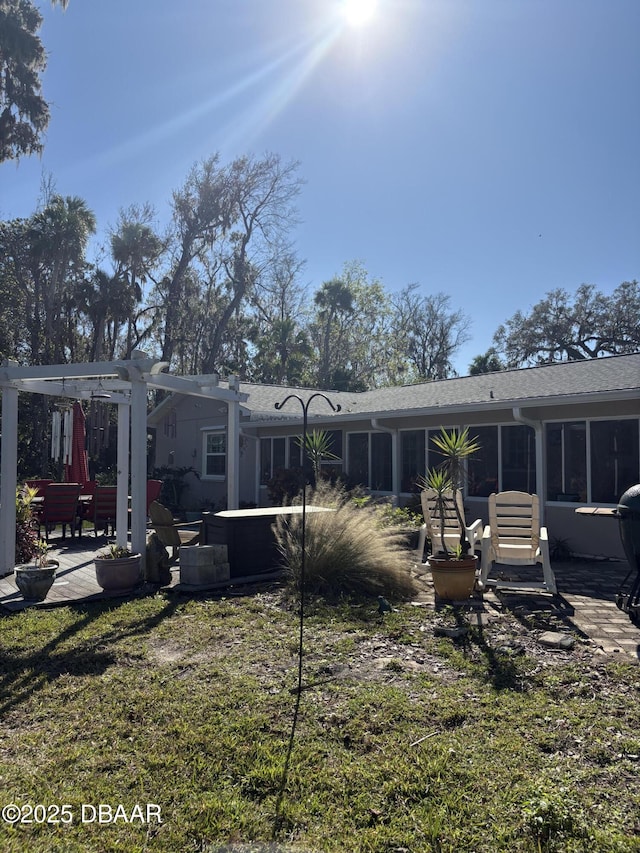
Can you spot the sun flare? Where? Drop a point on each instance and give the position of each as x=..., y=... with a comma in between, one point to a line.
x=359, y=13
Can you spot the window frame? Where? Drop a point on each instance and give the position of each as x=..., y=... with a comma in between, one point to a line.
x=370, y=453
x=216, y=429
x=588, y=466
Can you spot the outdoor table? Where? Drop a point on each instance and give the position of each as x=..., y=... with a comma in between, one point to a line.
x=249, y=536
x=597, y=511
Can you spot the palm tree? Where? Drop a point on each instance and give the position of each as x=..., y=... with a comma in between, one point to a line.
x=135, y=248
x=333, y=298
x=57, y=236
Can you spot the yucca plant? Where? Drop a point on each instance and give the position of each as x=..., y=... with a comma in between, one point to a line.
x=456, y=446
x=438, y=481
x=318, y=446
x=348, y=551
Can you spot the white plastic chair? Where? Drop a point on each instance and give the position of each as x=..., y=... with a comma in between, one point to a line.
x=514, y=537
x=432, y=527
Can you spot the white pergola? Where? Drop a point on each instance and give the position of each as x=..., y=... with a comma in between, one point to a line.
x=127, y=383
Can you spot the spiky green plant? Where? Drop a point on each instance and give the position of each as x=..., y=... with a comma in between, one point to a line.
x=348, y=551
x=456, y=446
x=439, y=481
x=318, y=446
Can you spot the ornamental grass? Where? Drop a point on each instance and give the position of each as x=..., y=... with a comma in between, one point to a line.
x=349, y=551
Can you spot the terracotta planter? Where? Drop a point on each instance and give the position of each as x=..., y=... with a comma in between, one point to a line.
x=34, y=582
x=121, y=574
x=453, y=580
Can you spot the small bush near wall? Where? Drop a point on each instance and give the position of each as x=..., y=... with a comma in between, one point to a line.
x=348, y=551
x=285, y=485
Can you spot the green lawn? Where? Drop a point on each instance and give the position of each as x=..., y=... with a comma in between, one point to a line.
x=404, y=741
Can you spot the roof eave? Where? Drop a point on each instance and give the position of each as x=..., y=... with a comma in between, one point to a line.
x=456, y=408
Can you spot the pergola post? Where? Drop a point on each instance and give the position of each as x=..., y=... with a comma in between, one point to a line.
x=8, y=473
x=122, y=507
x=233, y=454
x=138, y=466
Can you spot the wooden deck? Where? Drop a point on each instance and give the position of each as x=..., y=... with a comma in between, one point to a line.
x=76, y=583
x=75, y=579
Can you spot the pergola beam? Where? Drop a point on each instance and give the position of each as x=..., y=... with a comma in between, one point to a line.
x=193, y=387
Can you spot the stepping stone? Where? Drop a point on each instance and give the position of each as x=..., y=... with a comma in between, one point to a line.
x=454, y=633
x=556, y=640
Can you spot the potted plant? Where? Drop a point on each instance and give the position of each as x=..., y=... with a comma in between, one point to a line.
x=453, y=569
x=35, y=579
x=26, y=539
x=117, y=569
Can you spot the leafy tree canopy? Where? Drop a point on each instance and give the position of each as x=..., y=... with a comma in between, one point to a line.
x=564, y=327
x=24, y=113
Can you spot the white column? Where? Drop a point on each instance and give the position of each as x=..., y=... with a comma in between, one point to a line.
x=395, y=457
x=233, y=454
x=122, y=508
x=8, y=472
x=541, y=473
x=395, y=466
x=139, y=467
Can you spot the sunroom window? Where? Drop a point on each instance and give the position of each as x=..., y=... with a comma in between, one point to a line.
x=370, y=460
x=567, y=461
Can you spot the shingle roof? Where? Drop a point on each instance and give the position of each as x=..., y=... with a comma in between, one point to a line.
x=562, y=380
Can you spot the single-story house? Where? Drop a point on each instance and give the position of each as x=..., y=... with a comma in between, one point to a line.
x=569, y=431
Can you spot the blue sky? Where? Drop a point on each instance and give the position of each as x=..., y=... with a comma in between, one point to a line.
x=484, y=148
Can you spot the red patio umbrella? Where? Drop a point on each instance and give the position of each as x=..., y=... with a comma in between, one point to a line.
x=77, y=471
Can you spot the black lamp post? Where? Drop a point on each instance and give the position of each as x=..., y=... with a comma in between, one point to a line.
x=305, y=418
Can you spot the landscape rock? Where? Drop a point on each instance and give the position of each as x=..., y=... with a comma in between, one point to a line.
x=556, y=640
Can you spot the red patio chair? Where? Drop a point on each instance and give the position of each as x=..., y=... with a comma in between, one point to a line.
x=154, y=487
x=86, y=504
x=105, y=502
x=40, y=485
x=60, y=506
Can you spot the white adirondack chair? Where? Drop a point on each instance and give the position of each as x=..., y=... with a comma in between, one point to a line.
x=431, y=526
x=514, y=537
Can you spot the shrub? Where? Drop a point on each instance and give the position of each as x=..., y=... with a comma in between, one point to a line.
x=284, y=485
x=26, y=538
x=348, y=551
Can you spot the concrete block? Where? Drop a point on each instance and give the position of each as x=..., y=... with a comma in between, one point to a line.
x=203, y=555
x=201, y=565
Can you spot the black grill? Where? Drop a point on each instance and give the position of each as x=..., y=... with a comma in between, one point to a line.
x=628, y=512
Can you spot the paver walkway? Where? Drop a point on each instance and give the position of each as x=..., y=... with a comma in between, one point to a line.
x=586, y=599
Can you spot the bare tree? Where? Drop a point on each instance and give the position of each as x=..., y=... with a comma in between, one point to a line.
x=428, y=333
x=227, y=222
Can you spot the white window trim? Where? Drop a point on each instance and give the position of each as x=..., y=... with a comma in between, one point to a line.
x=204, y=431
